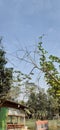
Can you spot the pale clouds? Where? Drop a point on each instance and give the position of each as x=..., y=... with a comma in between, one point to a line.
x=36, y=6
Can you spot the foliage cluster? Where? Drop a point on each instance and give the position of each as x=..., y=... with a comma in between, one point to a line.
x=42, y=106
x=5, y=74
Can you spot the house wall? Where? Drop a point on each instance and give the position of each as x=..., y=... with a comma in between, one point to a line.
x=3, y=114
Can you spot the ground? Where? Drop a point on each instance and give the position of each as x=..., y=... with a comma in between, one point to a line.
x=52, y=124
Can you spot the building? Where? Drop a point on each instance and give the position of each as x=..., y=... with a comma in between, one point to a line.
x=12, y=115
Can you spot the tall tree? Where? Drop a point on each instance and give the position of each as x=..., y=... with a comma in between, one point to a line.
x=49, y=65
x=5, y=73
x=43, y=62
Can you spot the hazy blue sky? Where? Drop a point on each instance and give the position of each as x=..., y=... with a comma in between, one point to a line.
x=23, y=21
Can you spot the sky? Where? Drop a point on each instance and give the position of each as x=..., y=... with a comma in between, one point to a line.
x=23, y=21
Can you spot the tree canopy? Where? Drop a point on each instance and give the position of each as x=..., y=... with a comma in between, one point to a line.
x=5, y=74
x=47, y=64
x=50, y=66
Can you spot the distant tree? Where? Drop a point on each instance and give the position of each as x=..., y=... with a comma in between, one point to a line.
x=21, y=87
x=30, y=88
x=37, y=104
x=52, y=107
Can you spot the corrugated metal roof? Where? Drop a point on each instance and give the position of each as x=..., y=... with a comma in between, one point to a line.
x=11, y=104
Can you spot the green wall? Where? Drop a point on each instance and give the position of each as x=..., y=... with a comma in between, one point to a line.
x=3, y=119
